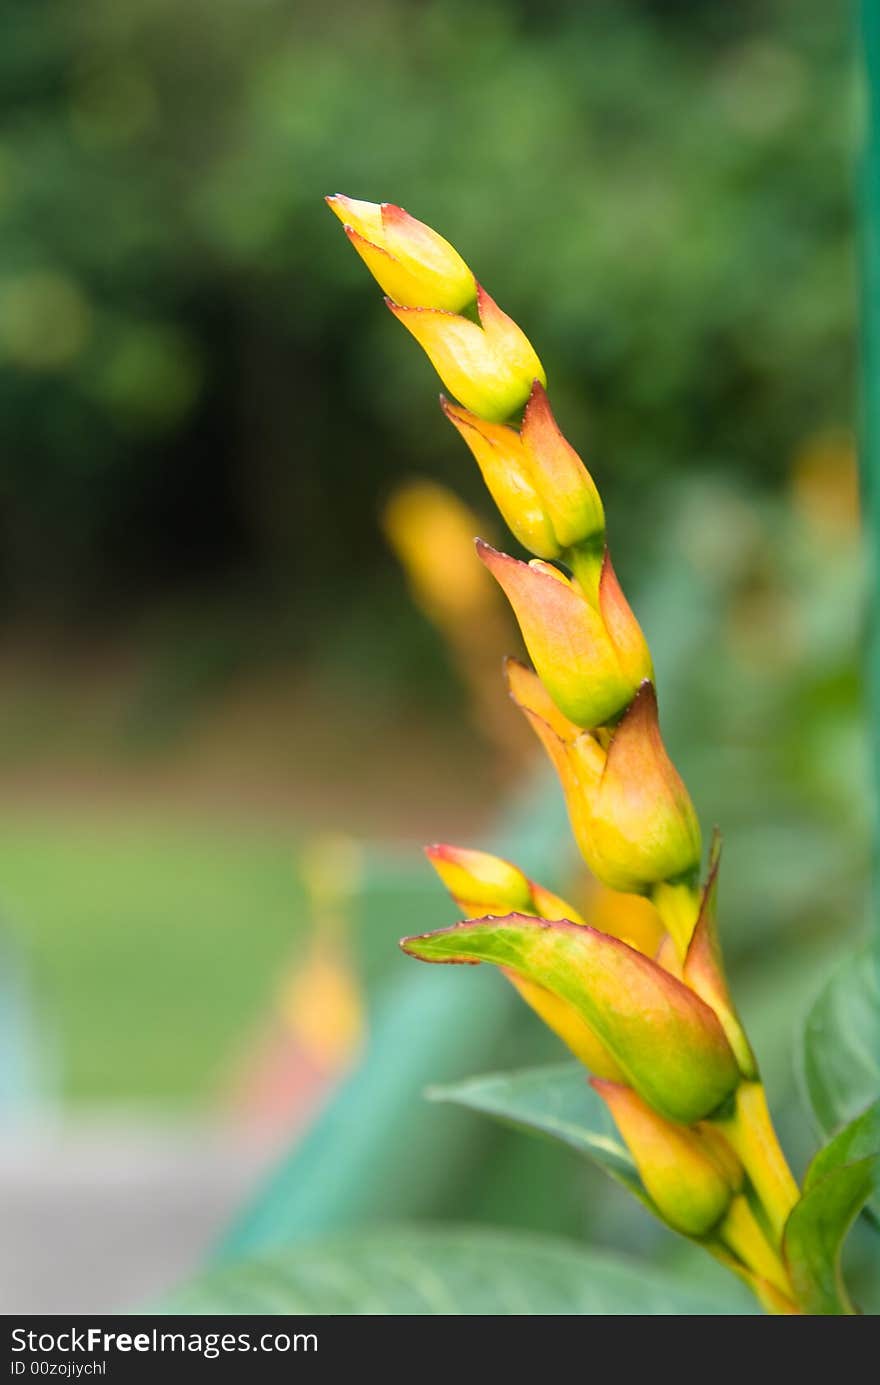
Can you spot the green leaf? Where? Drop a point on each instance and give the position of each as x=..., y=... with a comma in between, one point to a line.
x=838, y=1183
x=557, y=1101
x=451, y=1271
x=840, y=1060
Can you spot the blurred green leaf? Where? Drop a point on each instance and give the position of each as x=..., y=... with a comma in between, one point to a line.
x=840, y=1054
x=839, y=1182
x=405, y=1272
x=557, y=1101
x=378, y=1149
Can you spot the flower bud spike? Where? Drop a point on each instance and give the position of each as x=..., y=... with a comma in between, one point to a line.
x=666, y=1041
x=642, y=1000
x=489, y=368
x=684, y=1182
x=566, y=639
x=703, y=970
x=410, y=262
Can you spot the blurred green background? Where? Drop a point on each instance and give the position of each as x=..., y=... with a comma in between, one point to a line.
x=209, y=655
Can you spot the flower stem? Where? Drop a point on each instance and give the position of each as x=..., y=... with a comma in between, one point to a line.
x=741, y=1233
x=678, y=905
x=585, y=560
x=750, y=1132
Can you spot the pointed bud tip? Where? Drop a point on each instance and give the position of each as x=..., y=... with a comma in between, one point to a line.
x=485, y=552
x=437, y=851
x=340, y=205
x=537, y=400
x=601, y=1084
x=454, y=412
x=354, y=235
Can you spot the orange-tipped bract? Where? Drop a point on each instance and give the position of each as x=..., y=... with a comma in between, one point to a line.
x=703, y=969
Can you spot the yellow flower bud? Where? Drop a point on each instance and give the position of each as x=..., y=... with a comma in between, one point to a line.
x=499, y=453
x=685, y=1180
x=631, y=815
x=490, y=367
x=590, y=667
x=643, y=825
x=412, y=264
x=545, y=494
x=479, y=882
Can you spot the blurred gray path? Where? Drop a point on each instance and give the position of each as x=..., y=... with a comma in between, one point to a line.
x=102, y=1215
